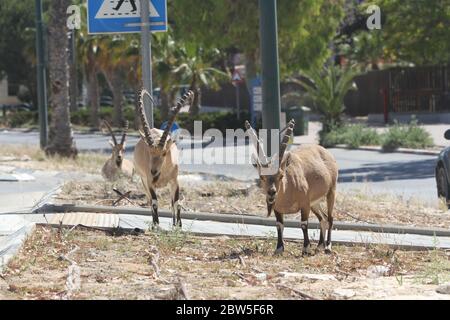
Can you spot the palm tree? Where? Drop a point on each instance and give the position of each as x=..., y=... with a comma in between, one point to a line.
x=196, y=69
x=167, y=53
x=88, y=52
x=114, y=66
x=327, y=88
x=61, y=136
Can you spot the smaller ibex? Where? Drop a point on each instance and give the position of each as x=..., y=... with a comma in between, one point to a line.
x=156, y=159
x=117, y=165
x=300, y=181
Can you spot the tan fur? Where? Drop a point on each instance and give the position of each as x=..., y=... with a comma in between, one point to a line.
x=144, y=160
x=310, y=175
x=117, y=165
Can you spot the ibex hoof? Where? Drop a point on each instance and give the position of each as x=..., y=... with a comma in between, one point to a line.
x=320, y=247
x=307, y=251
x=279, y=251
x=156, y=227
x=328, y=249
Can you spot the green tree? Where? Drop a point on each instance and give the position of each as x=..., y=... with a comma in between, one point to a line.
x=17, y=44
x=327, y=88
x=306, y=28
x=197, y=70
x=412, y=32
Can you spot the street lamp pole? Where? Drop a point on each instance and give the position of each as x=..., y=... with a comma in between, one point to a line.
x=41, y=76
x=270, y=68
x=146, y=59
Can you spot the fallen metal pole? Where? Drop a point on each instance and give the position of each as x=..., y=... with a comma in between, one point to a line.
x=243, y=219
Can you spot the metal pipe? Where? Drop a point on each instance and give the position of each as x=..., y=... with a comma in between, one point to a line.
x=270, y=68
x=146, y=60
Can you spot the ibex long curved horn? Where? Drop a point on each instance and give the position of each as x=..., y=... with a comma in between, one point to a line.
x=285, y=141
x=110, y=131
x=145, y=126
x=189, y=96
x=124, y=135
x=257, y=142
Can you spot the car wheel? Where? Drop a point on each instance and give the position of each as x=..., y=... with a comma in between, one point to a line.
x=442, y=184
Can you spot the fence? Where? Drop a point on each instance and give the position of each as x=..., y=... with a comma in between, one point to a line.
x=418, y=89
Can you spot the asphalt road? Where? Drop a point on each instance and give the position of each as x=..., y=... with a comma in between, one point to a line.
x=406, y=175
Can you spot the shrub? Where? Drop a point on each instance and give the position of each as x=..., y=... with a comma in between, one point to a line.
x=18, y=119
x=406, y=136
x=353, y=136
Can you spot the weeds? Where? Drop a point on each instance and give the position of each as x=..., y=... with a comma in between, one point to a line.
x=437, y=271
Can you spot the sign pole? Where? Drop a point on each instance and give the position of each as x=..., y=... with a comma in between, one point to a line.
x=41, y=76
x=238, y=102
x=146, y=59
x=270, y=69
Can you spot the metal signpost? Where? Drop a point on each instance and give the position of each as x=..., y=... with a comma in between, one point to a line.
x=132, y=16
x=237, y=80
x=270, y=68
x=41, y=76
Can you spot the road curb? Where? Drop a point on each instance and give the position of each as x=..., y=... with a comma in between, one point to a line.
x=244, y=219
x=399, y=150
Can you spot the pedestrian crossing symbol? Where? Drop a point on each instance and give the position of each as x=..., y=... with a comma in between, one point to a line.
x=124, y=16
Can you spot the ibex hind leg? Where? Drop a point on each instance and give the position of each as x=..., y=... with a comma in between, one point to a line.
x=306, y=251
x=331, y=198
x=323, y=221
x=176, y=207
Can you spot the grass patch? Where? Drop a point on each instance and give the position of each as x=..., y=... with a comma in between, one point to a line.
x=353, y=136
x=406, y=136
x=38, y=160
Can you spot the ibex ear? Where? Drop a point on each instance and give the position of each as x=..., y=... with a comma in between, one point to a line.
x=111, y=143
x=255, y=161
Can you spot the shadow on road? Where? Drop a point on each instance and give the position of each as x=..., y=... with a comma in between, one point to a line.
x=421, y=169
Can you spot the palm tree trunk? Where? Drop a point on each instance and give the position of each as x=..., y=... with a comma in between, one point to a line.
x=115, y=85
x=60, y=136
x=196, y=105
x=165, y=104
x=93, y=96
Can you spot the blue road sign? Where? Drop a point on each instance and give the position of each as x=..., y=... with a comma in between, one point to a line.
x=124, y=16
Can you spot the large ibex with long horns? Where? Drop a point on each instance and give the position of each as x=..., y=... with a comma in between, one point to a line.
x=156, y=159
x=117, y=164
x=299, y=181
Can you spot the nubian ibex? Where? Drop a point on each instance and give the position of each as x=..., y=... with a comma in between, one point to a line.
x=299, y=180
x=156, y=159
x=117, y=165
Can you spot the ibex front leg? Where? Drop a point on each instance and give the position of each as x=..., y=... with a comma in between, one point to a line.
x=280, y=229
x=154, y=204
x=304, y=225
x=176, y=207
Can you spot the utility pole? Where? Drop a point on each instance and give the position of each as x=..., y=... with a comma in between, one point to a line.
x=146, y=59
x=270, y=68
x=41, y=76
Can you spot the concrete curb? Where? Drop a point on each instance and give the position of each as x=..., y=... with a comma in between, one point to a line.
x=399, y=150
x=245, y=219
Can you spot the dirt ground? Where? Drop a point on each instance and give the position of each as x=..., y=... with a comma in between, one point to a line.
x=84, y=264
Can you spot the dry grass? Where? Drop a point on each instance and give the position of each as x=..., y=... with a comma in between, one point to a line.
x=30, y=157
x=154, y=266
